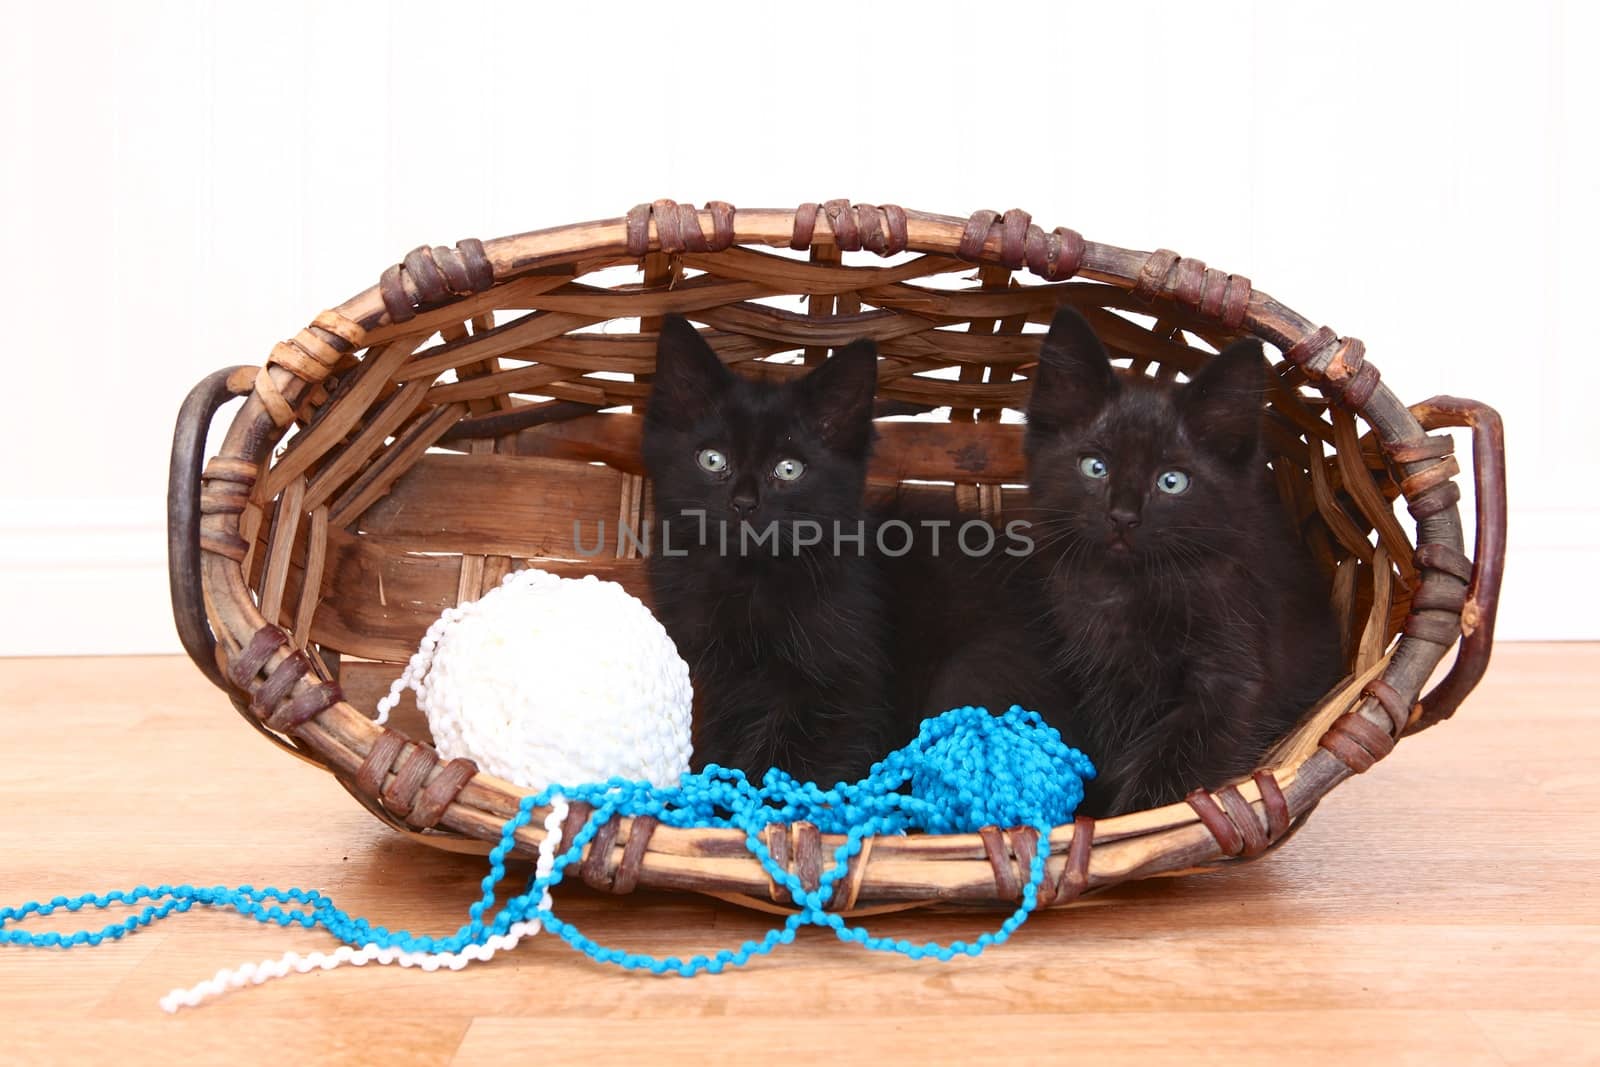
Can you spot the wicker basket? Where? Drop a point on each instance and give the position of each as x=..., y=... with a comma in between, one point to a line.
x=412, y=445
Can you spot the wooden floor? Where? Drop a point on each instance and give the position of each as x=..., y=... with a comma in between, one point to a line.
x=1443, y=908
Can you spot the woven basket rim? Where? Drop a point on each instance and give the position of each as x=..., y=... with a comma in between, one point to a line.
x=438, y=286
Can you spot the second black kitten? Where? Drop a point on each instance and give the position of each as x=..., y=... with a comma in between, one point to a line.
x=782, y=622
x=1193, y=627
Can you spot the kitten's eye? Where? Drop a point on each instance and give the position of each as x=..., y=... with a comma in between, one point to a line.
x=1173, y=482
x=788, y=470
x=1093, y=467
x=712, y=461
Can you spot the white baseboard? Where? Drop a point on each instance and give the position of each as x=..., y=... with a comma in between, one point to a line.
x=78, y=585
x=1550, y=583
x=121, y=609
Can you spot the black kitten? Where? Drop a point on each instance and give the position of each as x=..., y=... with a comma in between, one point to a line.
x=1193, y=627
x=968, y=626
x=782, y=625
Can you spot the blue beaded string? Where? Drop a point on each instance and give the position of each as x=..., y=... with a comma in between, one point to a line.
x=966, y=769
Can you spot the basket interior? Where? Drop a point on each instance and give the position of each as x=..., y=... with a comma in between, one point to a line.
x=469, y=440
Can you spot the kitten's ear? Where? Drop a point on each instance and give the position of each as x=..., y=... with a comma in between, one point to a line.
x=1222, y=404
x=689, y=378
x=1074, y=378
x=839, y=396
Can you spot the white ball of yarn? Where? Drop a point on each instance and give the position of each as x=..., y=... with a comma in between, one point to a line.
x=554, y=680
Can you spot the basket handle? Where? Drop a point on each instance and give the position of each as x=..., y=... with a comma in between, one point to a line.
x=1488, y=550
x=183, y=517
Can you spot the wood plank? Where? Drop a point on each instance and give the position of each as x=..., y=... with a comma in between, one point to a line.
x=365, y=682
x=382, y=589
x=399, y=458
x=506, y=339
x=338, y=471
x=594, y=350
x=378, y=599
x=1537, y=1038
x=695, y=295
x=1380, y=934
x=793, y=276
x=329, y=1039
x=280, y=547
x=969, y=1036
x=377, y=368
x=310, y=587
x=989, y=452
x=495, y=504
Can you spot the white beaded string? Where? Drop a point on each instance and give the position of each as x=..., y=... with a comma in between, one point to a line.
x=303, y=963
x=417, y=667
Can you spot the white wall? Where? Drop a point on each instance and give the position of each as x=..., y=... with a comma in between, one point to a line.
x=184, y=183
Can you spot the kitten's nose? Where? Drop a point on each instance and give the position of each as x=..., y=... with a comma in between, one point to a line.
x=1123, y=519
x=743, y=504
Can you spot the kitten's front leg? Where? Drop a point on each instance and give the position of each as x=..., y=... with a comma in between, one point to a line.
x=1205, y=741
